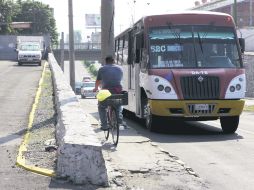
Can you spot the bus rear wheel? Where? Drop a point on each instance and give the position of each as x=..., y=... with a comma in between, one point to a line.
x=229, y=124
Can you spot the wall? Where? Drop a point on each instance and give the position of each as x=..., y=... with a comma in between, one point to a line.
x=8, y=45
x=249, y=66
x=79, y=153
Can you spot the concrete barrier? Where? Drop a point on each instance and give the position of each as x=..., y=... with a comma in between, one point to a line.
x=79, y=151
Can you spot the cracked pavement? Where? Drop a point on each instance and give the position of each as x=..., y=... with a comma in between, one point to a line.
x=138, y=163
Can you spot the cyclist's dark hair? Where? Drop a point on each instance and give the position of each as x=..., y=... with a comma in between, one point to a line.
x=109, y=59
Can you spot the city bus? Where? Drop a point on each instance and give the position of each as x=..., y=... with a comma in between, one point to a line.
x=185, y=66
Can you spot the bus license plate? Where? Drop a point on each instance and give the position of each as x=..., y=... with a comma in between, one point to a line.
x=201, y=107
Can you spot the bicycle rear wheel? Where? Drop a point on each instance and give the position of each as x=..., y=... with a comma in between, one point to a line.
x=114, y=126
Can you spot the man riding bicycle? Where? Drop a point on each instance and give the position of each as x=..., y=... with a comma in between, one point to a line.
x=109, y=77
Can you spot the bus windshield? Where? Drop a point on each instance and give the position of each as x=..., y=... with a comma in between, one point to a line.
x=193, y=47
x=30, y=47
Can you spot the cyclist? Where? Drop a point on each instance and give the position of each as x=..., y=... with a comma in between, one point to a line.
x=109, y=77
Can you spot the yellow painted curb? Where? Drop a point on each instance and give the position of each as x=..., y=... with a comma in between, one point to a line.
x=23, y=147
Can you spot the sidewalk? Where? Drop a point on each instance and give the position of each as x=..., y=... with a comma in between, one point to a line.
x=249, y=101
x=137, y=163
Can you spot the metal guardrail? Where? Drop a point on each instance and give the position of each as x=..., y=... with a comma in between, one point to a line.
x=80, y=46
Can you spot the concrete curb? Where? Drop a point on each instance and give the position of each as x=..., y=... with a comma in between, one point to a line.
x=79, y=154
x=21, y=162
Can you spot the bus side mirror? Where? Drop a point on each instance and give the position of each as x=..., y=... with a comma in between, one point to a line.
x=242, y=44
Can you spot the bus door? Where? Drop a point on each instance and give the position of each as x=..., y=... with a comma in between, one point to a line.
x=134, y=58
x=138, y=45
x=131, y=74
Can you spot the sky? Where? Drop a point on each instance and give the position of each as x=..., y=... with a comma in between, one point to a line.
x=126, y=11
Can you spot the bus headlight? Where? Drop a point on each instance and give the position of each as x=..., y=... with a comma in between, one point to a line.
x=232, y=88
x=236, y=88
x=160, y=87
x=167, y=89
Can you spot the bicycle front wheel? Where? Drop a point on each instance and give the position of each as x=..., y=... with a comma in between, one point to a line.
x=114, y=127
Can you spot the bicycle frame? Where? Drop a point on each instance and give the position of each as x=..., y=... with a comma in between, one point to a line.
x=112, y=103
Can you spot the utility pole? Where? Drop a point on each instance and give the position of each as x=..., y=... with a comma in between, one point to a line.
x=62, y=51
x=107, y=29
x=71, y=47
x=235, y=12
x=251, y=13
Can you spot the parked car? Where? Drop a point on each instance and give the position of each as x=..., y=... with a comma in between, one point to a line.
x=86, y=79
x=87, y=89
x=78, y=86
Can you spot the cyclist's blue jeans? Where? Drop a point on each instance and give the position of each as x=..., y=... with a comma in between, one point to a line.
x=103, y=115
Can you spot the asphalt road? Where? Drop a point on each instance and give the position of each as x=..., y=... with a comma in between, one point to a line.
x=222, y=161
x=18, y=86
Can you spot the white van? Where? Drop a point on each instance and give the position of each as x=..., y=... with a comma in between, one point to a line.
x=29, y=53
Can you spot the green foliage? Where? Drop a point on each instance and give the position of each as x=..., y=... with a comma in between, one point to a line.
x=7, y=12
x=249, y=108
x=77, y=36
x=87, y=63
x=39, y=14
x=91, y=68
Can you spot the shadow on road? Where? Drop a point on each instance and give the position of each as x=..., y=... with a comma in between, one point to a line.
x=172, y=131
x=13, y=136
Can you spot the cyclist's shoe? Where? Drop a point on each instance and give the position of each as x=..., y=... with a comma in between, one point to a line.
x=123, y=126
x=104, y=128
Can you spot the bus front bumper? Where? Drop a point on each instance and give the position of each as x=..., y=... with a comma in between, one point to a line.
x=196, y=108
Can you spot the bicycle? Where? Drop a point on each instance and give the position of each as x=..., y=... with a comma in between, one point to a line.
x=112, y=116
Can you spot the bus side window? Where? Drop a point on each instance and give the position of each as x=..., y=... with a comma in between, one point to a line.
x=138, y=47
x=130, y=48
x=144, y=58
x=117, y=50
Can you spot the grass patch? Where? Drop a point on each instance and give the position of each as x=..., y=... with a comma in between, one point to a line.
x=249, y=108
x=91, y=68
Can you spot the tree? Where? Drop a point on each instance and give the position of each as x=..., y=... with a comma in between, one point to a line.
x=41, y=17
x=77, y=36
x=39, y=14
x=7, y=11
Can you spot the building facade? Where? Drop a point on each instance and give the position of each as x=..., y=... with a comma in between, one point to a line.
x=244, y=9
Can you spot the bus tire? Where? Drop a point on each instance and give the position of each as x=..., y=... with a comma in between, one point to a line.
x=229, y=124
